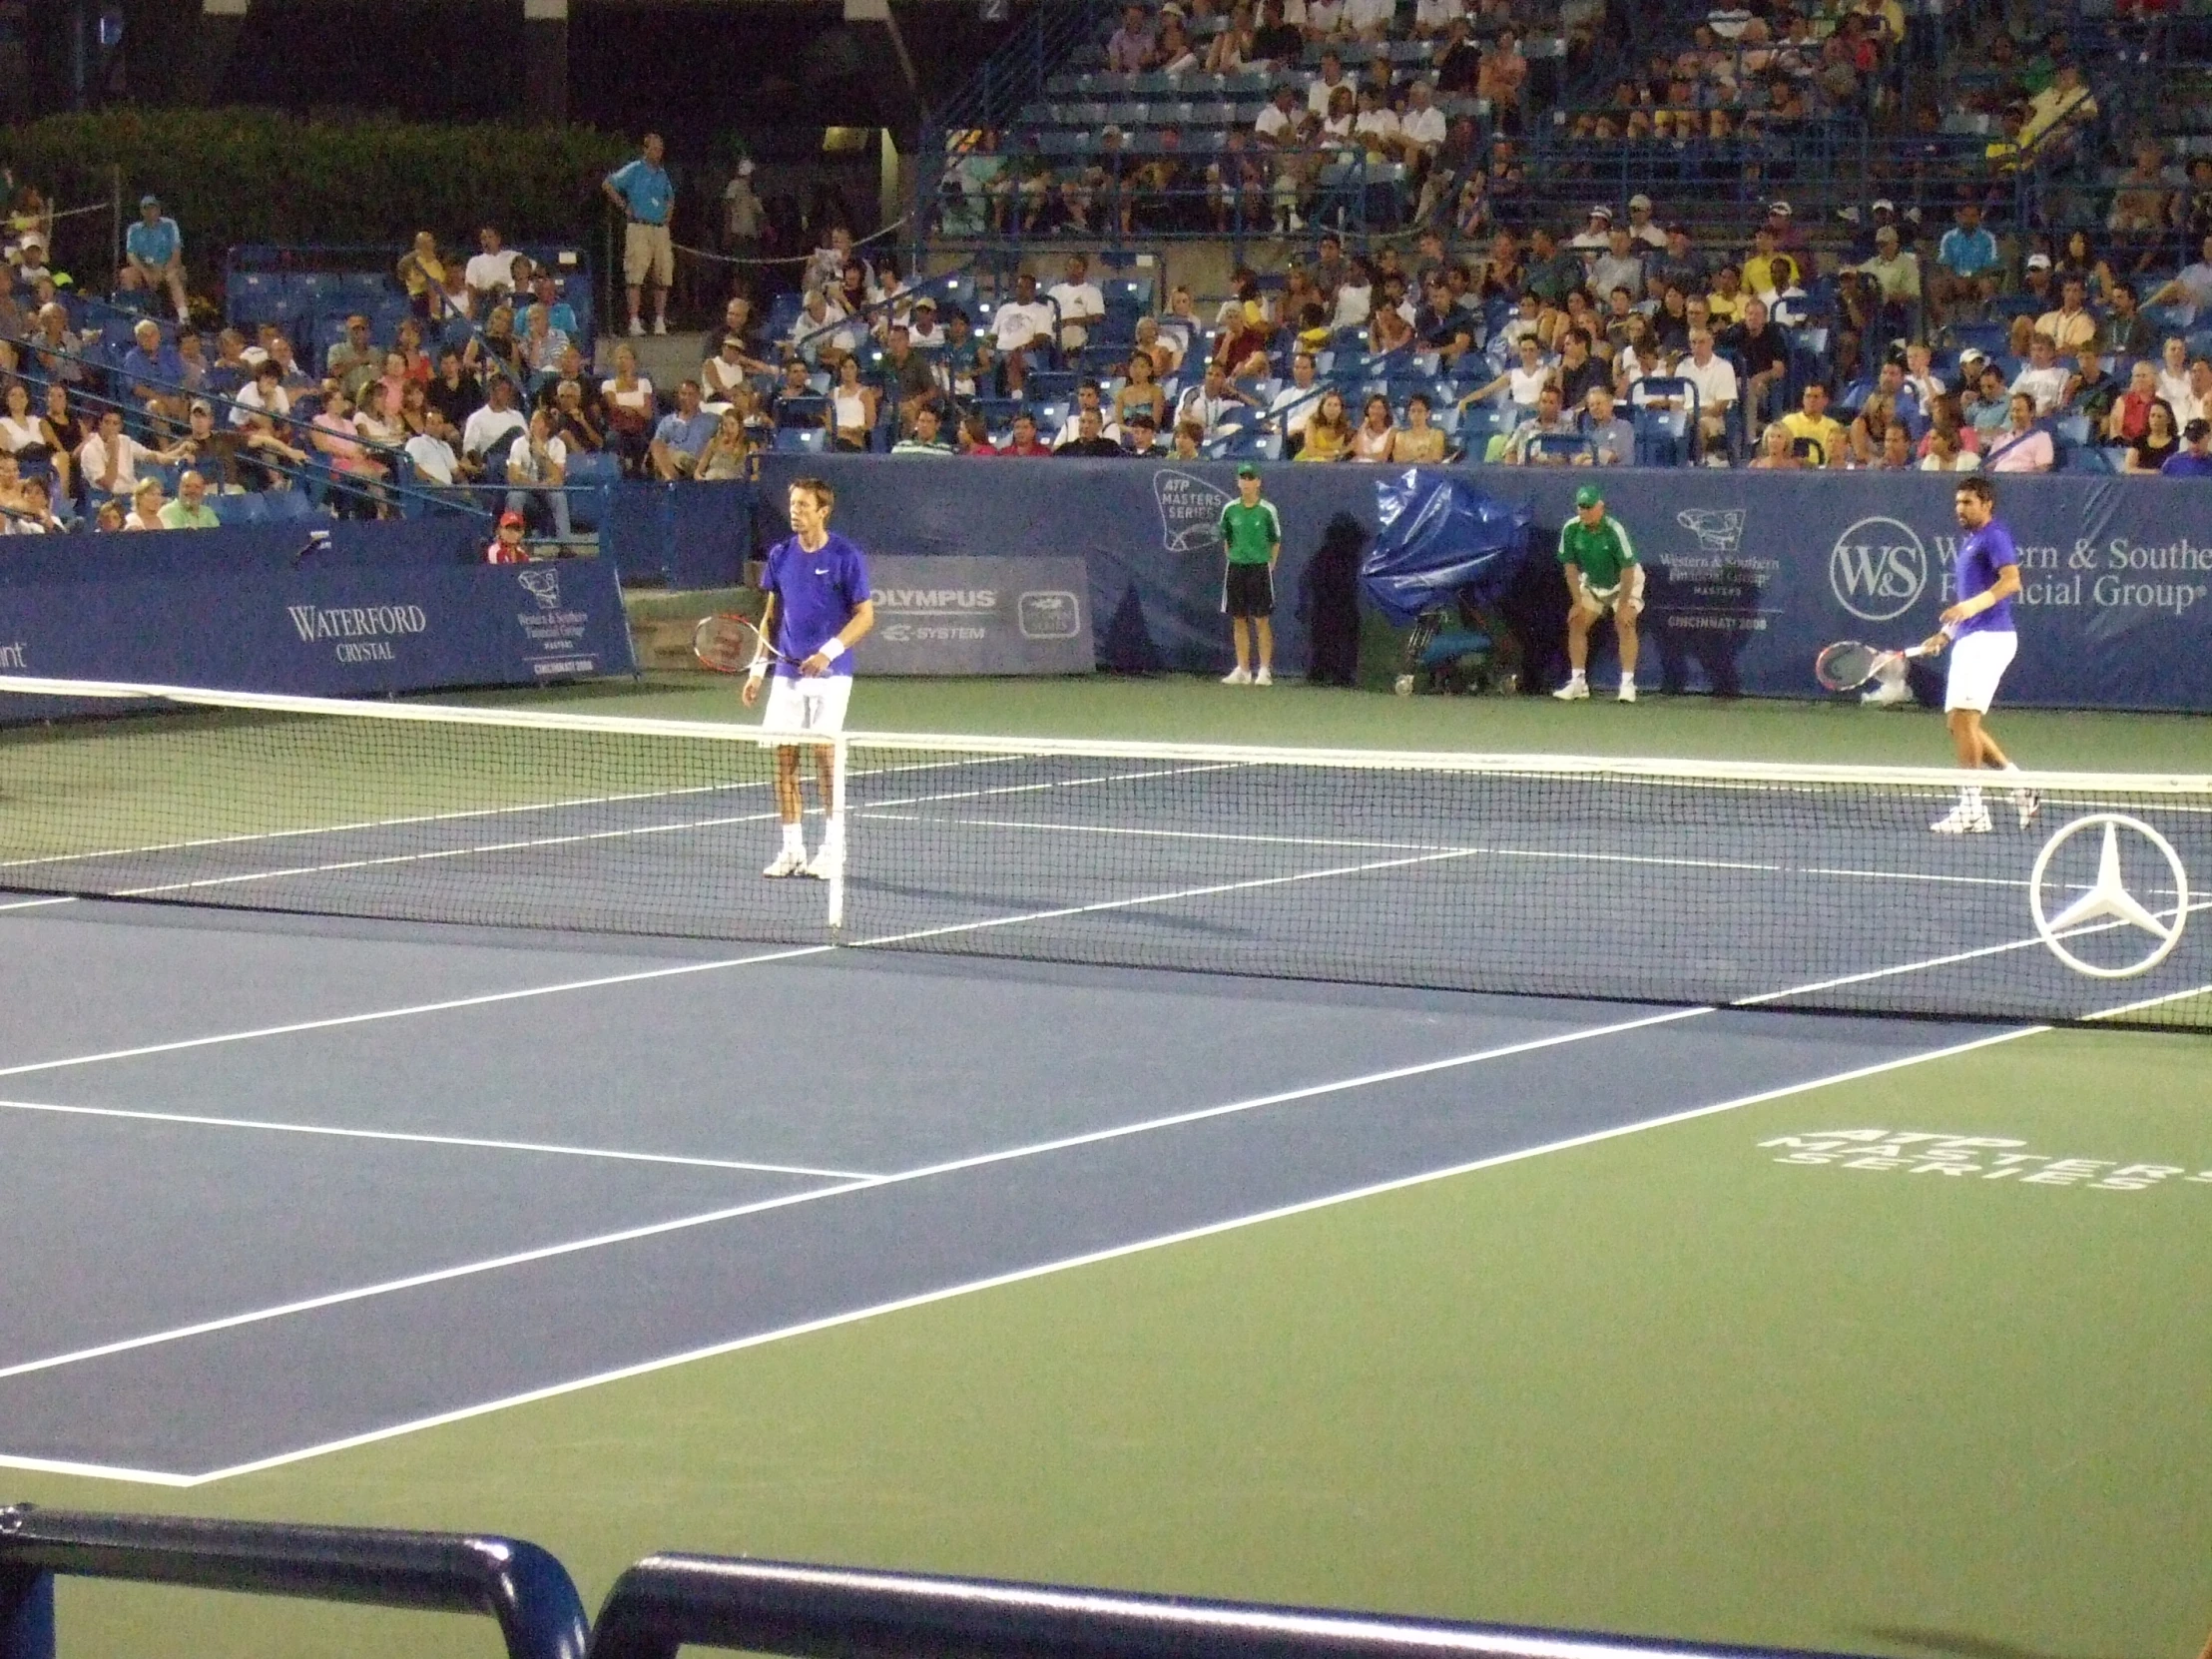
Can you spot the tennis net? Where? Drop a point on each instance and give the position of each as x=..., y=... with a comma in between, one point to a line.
x=1646, y=881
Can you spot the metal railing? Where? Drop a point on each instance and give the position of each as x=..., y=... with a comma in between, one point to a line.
x=517, y=1584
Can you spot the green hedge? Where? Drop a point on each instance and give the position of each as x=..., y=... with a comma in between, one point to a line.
x=230, y=177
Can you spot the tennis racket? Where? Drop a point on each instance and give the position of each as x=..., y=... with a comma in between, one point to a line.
x=731, y=644
x=1847, y=665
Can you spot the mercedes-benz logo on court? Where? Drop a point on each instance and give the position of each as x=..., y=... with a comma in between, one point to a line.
x=2108, y=897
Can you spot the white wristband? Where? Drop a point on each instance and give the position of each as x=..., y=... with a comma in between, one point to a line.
x=832, y=649
x=757, y=671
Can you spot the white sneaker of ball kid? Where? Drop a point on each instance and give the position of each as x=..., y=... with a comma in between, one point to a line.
x=791, y=861
x=1629, y=691
x=1265, y=677
x=1236, y=677
x=1576, y=689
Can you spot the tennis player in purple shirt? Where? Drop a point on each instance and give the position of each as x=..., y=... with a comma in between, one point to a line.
x=817, y=610
x=1979, y=629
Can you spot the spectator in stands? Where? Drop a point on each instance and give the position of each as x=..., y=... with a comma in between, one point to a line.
x=1023, y=439
x=642, y=190
x=211, y=450
x=1765, y=357
x=1368, y=20
x=353, y=360
x=2128, y=334
x=490, y=276
x=1715, y=380
x=190, y=511
x=1893, y=294
x=1371, y=438
x=1670, y=323
x=2024, y=447
x=1088, y=440
x=1209, y=404
x=1322, y=90
x=1777, y=452
x=28, y=436
x=2157, y=442
x=1595, y=237
x=2196, y=403
x=2195, y=458
x=1503, y=74
x=1419, y=443
x=2129, y=417
x=2070, y=325
x=1328, y=431
x=681, y=438
x=2057, y=114
x=1277, y=41
x=109, y=462
x=537, y=468
x=357, y=471
x=630, y=408
x=146, y=506
x=492, y=429
x=1549, y=419
x=725, y=373
x=1089, y=395
x=1944, y=453
x=1578, y=370
x=2043, y=378
x=1524, y=384
x=430, y=452
x=1621, y=266
x=2173, y=371
x=1020, y=329
x=59, y=353
x=108, y=516
x=1870, y=429
x=151, y=375
x=908, y=377
x=1811, y=424
x=1679, y=264
x=1988, y=406
x=1080, y=305
x=1612, y=440
x=454, y=392
x=377, y=417
x=1128, y=49
x=2190, y=292
x=35, y=517
x=2091, y=391
x=427, y=274
x=154, y=256
x=924, y=439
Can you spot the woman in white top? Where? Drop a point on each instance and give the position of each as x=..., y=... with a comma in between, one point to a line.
x=2173, y=371
x=1371, y=442
x=852, y=405
x=629, y=401
x=1522, y=384
x=25, y=434
x=725, y=372
x=145, y=508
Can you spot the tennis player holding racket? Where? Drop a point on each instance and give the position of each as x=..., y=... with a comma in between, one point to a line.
x=817, y=610
x=1602, y=575
x=1979, y=630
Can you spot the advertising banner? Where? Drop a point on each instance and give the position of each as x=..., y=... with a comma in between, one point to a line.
x=332, y=629
x=1751, y=573
x=979, y=616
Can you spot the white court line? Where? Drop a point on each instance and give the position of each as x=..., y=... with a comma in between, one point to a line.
x=483, y=999
x=926, y=1172
x=34, y=904
x=472, y=1142
x=1213, y=836
x=1018, y=1276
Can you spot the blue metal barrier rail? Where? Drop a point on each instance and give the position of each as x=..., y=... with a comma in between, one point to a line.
x=518, y=1584
x=666, y=1601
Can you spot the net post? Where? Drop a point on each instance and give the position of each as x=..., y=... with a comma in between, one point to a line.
x=840, y=752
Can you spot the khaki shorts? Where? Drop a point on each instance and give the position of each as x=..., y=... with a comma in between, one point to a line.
x=647, y=251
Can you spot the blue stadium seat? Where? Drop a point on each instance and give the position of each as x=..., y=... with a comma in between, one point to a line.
x=808, y=440
x=239, y=509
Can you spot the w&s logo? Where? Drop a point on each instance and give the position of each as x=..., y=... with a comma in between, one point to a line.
x=1878, y=568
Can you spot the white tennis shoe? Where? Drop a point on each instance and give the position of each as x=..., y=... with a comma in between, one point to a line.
x=825, y=865
x=1236, y=677
x=2028, y=803
x=1629, y=691
x=1966, y=819
x=1574, y=691
x=789, y=861
x=1266, y=676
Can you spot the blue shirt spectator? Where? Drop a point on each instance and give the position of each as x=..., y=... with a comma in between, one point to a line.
x=1967, y=251
x=681, y=438
x=645, y=190
x=153, y=239
x=2195, y=460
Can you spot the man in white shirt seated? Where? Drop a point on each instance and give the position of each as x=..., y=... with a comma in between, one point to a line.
x=1369, y=19
x=492, y=429
x=1023, y=328
x=2045, y=376
x=1293, y=407
x=1596, y=236
x=1423, y=128
x=1715, y=380
x=1080, y=303
x=430, y=452
x=1211, y=401
x=1088, y=400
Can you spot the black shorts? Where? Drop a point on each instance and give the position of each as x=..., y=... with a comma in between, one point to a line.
x=1248, y=590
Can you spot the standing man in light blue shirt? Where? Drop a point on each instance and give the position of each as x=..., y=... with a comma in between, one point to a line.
x=154, y=256
x=642, y=190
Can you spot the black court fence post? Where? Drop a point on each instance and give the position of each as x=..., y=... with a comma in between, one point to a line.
x=518, y=1584
x=666, y=1601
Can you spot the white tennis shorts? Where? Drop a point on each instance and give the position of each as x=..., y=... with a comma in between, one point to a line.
x=1978, y=663
x=808, y=707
